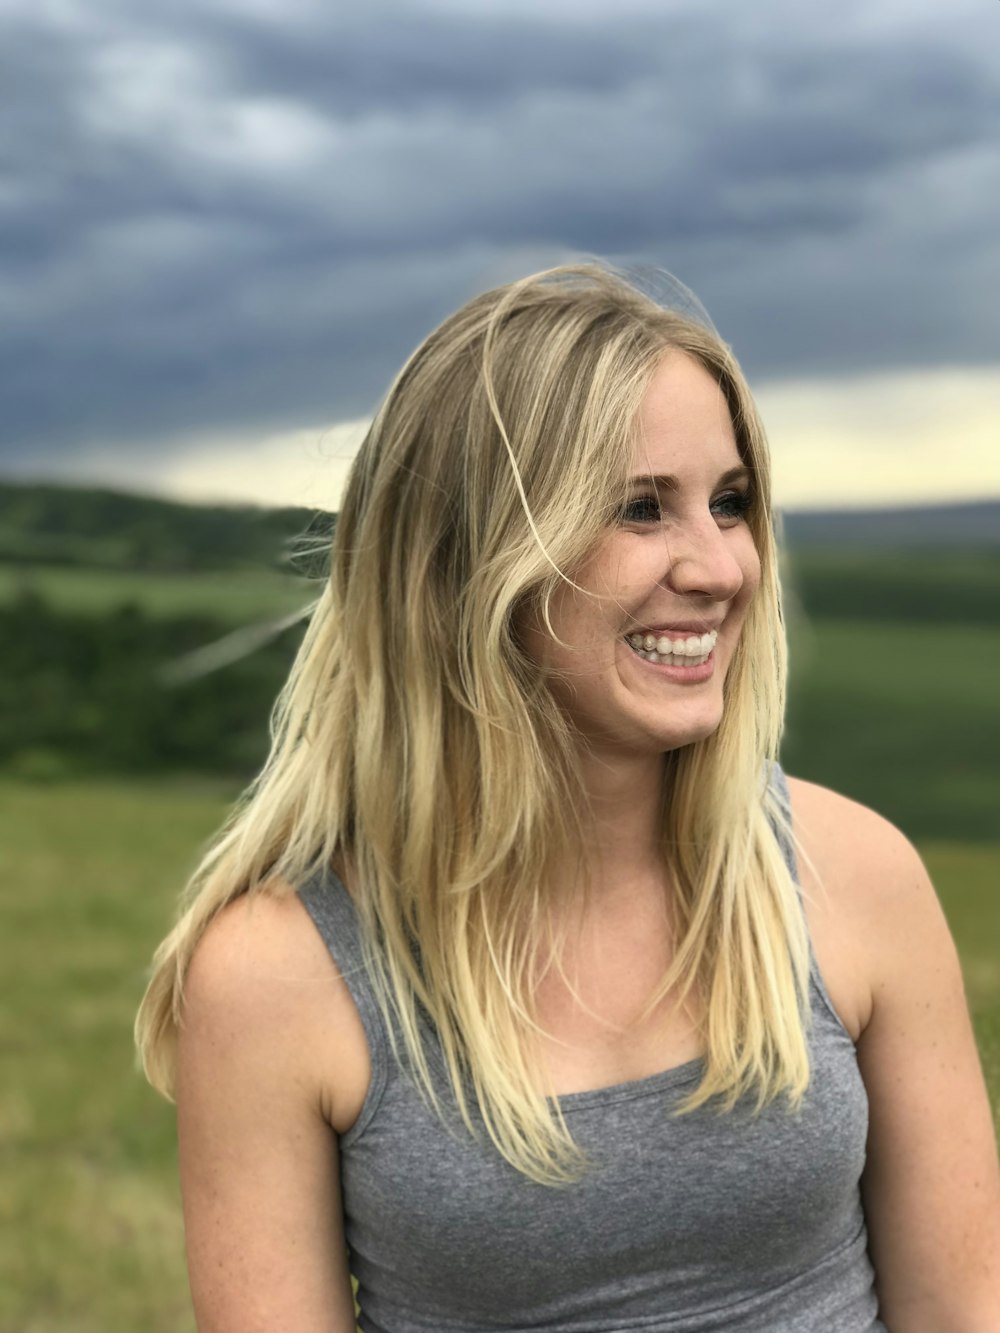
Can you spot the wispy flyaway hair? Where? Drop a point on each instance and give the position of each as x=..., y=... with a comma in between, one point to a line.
x=416, y=742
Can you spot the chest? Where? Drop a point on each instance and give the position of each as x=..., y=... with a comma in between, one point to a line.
x=595, y=1005
x=600, y=1008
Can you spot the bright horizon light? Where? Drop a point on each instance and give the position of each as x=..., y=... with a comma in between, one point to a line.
x=911, y=438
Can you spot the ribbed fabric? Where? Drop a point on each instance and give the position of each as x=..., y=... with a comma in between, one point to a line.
x=692, y=1224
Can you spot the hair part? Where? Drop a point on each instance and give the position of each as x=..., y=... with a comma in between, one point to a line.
x=416, y=741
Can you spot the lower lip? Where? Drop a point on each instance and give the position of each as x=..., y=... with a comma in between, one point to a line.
x=691, y=675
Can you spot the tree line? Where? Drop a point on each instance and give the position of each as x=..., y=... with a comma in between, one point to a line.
x=83, y=694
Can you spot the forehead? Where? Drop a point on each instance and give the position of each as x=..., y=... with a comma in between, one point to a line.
x=683, y=420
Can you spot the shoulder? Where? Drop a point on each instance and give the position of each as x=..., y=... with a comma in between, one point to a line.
x=871, y=906
x=848, y=836
x=257, y=1115
x=259, y=960
x=263, y=987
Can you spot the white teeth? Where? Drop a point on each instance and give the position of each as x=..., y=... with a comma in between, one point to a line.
x=694, y=645
x=688, y=652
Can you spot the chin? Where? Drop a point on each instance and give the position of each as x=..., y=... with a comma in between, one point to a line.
x=698, y=730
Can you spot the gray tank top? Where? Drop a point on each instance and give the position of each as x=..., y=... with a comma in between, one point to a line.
x=687, y=1224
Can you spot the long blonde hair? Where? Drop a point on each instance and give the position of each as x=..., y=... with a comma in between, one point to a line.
x=415, y=739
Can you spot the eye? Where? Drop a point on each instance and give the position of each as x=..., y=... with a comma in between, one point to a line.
x=732, y=506
x=641, y=509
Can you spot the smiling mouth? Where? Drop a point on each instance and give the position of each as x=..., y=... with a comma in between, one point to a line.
x=687, y=651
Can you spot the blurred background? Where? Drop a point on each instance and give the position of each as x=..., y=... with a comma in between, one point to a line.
x=223, y=226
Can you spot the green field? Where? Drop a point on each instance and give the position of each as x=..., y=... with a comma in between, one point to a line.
x=89, y=1206
x=946, y=586
x=233, y=596
x=902, y=717
x=90, y=1231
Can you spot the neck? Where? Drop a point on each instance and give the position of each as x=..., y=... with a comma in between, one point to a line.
x=623, y=834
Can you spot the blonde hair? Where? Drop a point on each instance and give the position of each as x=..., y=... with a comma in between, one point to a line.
x=416, y=740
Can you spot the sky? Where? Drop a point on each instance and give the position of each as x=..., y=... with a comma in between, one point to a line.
x=224, y=224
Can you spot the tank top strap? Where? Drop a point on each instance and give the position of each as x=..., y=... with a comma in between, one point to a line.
x=335, y=916
x=778, y=785
x=782, y=826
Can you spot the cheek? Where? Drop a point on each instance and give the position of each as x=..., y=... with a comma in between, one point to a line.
x=750, y=564
x=754, y=576
x=572, y=618
x=600, y=574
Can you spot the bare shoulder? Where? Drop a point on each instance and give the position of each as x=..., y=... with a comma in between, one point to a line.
x=263, y=985
x=868, y=897
x=856, y=855
x=264, y=939
x=848, y=840
x=270, y=1063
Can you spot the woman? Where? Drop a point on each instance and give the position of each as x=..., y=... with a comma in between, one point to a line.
x=501, y=968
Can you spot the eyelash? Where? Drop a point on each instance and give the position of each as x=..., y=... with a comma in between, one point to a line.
x=646, y=508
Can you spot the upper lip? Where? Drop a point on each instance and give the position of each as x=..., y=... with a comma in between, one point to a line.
x=690, y=628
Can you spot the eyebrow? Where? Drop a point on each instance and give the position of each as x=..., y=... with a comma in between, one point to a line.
x=670, y=483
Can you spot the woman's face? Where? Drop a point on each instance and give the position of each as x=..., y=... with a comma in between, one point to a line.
x=680, y=565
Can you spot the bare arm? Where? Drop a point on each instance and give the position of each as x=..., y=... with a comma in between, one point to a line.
x=258, y=1154
x=931, y=1186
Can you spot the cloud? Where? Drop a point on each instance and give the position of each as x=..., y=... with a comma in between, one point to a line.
x=228, y=219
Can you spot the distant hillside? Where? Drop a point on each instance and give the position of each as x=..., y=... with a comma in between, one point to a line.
x=955, y=525
x=106, y=529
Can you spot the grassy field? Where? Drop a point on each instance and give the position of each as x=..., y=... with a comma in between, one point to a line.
x=228, y=595
x=88, y=1198
x=89, y=1209
x=901, y=717
x=946, y=586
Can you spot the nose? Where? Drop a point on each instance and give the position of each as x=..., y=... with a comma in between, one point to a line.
x=701, y=560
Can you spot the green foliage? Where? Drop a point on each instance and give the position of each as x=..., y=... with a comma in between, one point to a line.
x=947, y=587
x=90, y=526
x=227, y=597
x=902, y=717
x=83, y=693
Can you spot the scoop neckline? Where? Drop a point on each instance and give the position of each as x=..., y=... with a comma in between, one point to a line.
x=689, y=1071
x=686, y=1072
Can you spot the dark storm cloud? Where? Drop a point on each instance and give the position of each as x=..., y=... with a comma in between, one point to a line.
x=346, y=63
x=215, y=215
